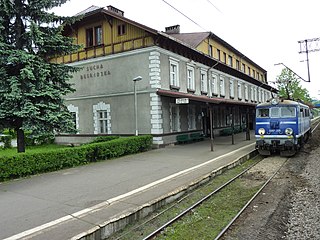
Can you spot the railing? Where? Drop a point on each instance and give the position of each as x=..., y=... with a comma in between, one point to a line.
x=105, y=49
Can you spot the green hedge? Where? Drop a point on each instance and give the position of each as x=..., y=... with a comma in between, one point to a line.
x=25, y=164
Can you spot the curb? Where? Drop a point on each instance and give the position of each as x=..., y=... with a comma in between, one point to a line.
x=106, y=229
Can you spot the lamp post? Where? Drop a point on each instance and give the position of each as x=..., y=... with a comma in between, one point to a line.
x=136, y=79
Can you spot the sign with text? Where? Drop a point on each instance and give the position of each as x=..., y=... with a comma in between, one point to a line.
x=182, y=100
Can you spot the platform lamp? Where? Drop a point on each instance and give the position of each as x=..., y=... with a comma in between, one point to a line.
x=135, y=80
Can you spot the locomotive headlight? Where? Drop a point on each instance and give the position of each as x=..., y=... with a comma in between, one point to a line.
x=289, y=131
x=261, y=131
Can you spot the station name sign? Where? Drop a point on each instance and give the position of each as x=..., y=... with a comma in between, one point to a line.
x=94, y=71
x=182, y=100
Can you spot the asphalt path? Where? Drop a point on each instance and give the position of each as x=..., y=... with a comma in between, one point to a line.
x=26, y=204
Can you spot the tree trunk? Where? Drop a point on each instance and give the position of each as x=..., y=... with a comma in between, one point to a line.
x=20, y=137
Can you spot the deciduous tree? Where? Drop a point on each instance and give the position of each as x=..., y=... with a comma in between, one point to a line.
x=290, y=88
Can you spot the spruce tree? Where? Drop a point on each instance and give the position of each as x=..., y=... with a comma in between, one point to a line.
x=32, y=86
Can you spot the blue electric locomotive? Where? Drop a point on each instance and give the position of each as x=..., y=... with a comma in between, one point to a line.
x=282, y=126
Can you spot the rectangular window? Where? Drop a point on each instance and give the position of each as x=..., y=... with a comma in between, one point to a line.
x=253, y=73
x=231, y=89
x=230, y=61
x=214, y=84
x=258, y=76
x=218, y=55
x=224, y=57
x=121, y=29
x=246, y=92
x=174, y=73
x=252, y=94
x=239, y=90
x=74, y=119
x=190, y=80
x=274, y=113
x=243, y=68
x=238, y=65
x=255, y=95
x=222, y=87
x=262, y=112
x=249, y=71
x=191, y=117
x=89, y=37
x=103, y=121
x=94, y=36
x=210, y=50
x=98, y=35
x=204, y=81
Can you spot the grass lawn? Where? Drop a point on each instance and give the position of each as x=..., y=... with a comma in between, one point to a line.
x=31, y=149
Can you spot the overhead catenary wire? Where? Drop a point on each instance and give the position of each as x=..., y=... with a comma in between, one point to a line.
x=184, y=15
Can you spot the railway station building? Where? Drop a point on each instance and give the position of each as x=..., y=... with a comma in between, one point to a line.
x=189, y=83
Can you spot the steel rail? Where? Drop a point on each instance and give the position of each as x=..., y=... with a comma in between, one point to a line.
x=248, y=203
x=157, y=231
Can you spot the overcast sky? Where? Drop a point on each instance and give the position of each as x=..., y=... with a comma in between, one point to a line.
x=265, y=31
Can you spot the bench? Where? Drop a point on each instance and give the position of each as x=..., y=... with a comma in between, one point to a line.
x=183, y=138
x=226, y=132
x=196, y=136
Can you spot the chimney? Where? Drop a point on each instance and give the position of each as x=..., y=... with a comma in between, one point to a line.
x=173, y=29
x=115, y=10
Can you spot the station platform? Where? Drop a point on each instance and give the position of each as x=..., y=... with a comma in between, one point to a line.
x=92, y=201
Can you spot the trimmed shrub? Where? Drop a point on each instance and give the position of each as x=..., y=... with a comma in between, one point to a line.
x=25, y=164
x=6, y=141
x=104, y=139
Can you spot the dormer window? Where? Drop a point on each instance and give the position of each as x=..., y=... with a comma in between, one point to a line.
x=94, y=36
x=121, y=29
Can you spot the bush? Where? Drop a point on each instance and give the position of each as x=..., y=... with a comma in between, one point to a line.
x=6, y=141
x=24, y=164
x=104, y=139
x=38, y=139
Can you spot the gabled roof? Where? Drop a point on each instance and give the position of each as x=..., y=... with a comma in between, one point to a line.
x=193, y=39
x=89, y=9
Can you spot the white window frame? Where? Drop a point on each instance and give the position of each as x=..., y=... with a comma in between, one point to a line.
x=190, y=78
x=222, y=86
x=75, y=110
x=255, y=94
x=239, y=90
x=102, y=121
x=214, y=84
x=246, y=92
x=174, y=72
x=231, y=88
x=230, y=61
x=101, y=106
x=203, y=81
x=252, y=94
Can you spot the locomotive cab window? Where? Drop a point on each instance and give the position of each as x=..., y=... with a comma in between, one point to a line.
x=274, y=112
x=288, y=112
x=263, y=113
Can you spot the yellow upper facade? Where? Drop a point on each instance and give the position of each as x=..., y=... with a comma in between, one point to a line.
x=106, y=31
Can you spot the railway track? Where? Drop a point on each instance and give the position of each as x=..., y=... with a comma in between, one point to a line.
x=259, y=165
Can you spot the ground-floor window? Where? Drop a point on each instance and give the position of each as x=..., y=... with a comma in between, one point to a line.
x=103, y=121
x=102, y=118
x=75, y=115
